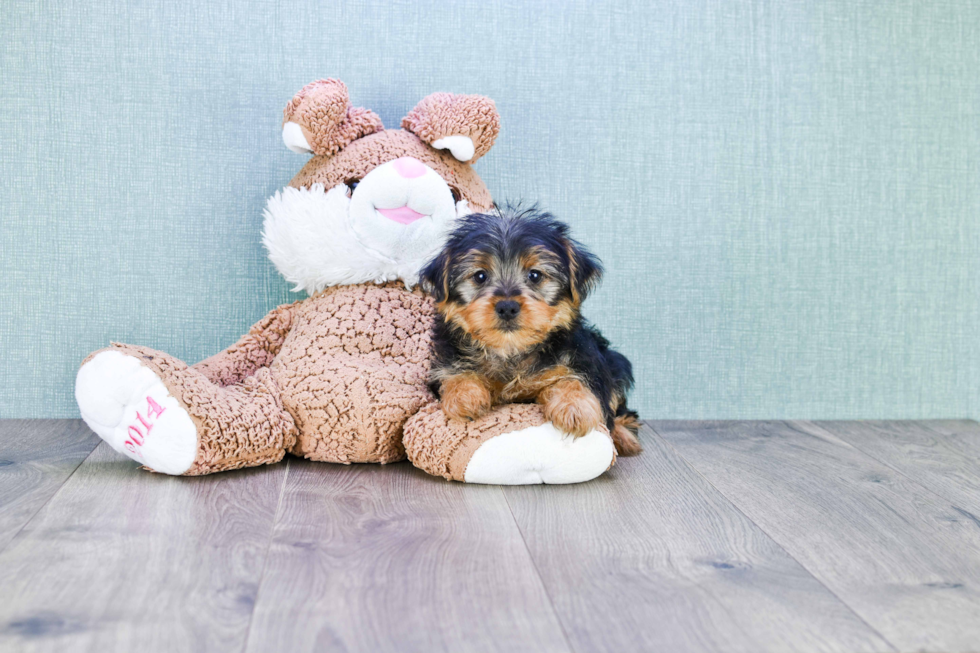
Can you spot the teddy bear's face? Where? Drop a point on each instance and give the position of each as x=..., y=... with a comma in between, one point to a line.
x=375, y=204
x=398, y=195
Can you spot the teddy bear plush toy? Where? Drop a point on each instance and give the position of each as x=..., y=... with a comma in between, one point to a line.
x=342, y=375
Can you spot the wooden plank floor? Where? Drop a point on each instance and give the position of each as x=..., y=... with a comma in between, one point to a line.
x=722, y=536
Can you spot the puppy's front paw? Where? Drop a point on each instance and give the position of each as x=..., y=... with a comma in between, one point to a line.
x=465, y=397
x=571, y=407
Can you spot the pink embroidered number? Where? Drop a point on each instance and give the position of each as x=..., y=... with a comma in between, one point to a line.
x=137, y=437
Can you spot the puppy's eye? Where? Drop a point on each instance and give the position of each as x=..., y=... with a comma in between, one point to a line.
x=480, y=277
x=534, y=276
x=351, y=185
x=456, y=194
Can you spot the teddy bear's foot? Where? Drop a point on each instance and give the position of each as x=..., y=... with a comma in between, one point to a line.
x=540, y=454
x=513, y=445
x=128, y=406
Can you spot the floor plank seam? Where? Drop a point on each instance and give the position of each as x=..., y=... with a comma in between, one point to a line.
x=950, y=501
x=268, y=550
x=50, y=498
x=669, y=444
x=537, y=573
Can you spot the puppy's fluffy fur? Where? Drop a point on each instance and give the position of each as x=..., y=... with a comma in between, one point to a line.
x=508, y=287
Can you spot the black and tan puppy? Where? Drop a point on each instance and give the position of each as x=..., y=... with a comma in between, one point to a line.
x=508, y=287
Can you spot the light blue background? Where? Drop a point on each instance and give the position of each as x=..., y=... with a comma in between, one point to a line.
x=786, y=194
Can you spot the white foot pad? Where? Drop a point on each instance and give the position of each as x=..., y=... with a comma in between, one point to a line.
x=540, y=454
x=129, y=407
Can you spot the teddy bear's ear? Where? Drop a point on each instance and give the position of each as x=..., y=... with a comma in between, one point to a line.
x=320, y=119
x=466, y=125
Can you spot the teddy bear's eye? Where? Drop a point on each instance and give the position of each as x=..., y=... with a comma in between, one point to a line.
x=351, y=185
x=456, y=194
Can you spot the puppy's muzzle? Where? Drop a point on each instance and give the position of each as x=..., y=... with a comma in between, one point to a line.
x=508, y=310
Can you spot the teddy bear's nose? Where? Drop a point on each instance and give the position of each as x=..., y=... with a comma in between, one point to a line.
x=409, y=167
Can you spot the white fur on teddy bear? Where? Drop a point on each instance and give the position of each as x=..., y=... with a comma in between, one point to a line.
x=540, y=454
x=320, y=237
x=128, y=406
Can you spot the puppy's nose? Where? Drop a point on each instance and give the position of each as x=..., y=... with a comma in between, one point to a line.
x=508, y=309
x=409, y=167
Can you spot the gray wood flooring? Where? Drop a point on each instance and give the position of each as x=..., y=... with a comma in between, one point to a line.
x=721, y=536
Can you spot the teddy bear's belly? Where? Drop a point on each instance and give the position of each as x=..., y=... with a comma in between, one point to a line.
x=353, y=369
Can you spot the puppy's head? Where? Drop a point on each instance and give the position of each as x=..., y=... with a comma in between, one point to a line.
x=510, y=277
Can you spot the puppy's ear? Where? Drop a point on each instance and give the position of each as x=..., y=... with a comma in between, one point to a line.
x=585, y=270
x=435, y=277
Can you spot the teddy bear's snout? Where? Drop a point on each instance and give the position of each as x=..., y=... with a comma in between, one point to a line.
x=403, y=190
x=407, y=168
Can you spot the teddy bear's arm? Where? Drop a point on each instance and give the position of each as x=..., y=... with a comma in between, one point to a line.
x=255, y=350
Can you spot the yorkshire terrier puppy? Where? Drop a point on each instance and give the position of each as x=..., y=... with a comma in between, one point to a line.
x=508, y=287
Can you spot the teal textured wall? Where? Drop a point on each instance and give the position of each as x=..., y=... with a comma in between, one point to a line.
x=786, y=194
